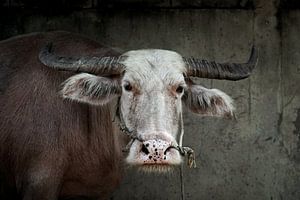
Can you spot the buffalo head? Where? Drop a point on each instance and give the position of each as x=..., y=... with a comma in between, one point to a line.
x=151, y=86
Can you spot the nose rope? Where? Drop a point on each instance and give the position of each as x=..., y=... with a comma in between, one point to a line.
x=189, y=152
x=123, y=128
x=184, y=151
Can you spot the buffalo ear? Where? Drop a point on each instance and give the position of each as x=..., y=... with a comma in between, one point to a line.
x=209, y=102
x=90, y=89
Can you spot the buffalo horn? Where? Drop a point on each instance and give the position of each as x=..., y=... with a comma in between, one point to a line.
x=93, y=65
x=229, y=71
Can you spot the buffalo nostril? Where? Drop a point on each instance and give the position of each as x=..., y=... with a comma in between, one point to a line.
x=145, y=150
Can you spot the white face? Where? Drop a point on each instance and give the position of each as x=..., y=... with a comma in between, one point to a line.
x=151, y=93
x=152, y=88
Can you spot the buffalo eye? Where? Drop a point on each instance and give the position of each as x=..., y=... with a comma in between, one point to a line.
x=127, y=87
x=179, y=89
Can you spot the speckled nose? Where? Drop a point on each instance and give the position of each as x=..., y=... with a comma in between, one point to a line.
x=155, y=151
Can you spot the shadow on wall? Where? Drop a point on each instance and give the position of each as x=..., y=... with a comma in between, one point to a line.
x=45, y=3
x=58, y=5
x=47, y=7
x=63, y=5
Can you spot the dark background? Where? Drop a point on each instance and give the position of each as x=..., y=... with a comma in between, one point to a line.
x=255, y=157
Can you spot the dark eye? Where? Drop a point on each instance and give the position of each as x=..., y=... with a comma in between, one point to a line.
x=179, y=89
x=127, y=87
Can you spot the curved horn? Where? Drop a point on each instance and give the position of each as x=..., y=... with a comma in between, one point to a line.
x=212, y=70
x=93, y=65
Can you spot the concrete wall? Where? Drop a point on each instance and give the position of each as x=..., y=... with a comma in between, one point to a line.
x=255, y=157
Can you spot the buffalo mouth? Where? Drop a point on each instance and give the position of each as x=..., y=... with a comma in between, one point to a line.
x=156, y=168
x=153, y=155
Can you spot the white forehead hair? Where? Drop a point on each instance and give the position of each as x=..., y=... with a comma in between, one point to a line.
x=148, y=62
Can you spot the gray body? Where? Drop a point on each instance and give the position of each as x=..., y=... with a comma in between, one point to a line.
x=49, y=147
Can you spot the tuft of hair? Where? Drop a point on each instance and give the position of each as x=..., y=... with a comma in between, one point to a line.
x=90, y=89
x=209, y=102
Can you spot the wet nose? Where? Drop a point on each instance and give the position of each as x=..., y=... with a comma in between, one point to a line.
x=155, y=151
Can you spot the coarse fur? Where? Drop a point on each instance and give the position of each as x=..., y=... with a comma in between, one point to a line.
x=50, y=147
x=208, y=102
x=90, y=89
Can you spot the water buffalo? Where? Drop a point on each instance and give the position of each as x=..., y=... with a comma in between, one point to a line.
x=59, y=93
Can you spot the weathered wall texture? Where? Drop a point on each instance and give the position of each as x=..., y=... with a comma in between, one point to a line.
x=255, y=157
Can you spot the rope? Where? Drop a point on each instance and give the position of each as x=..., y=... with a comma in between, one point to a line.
x=186, y=151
